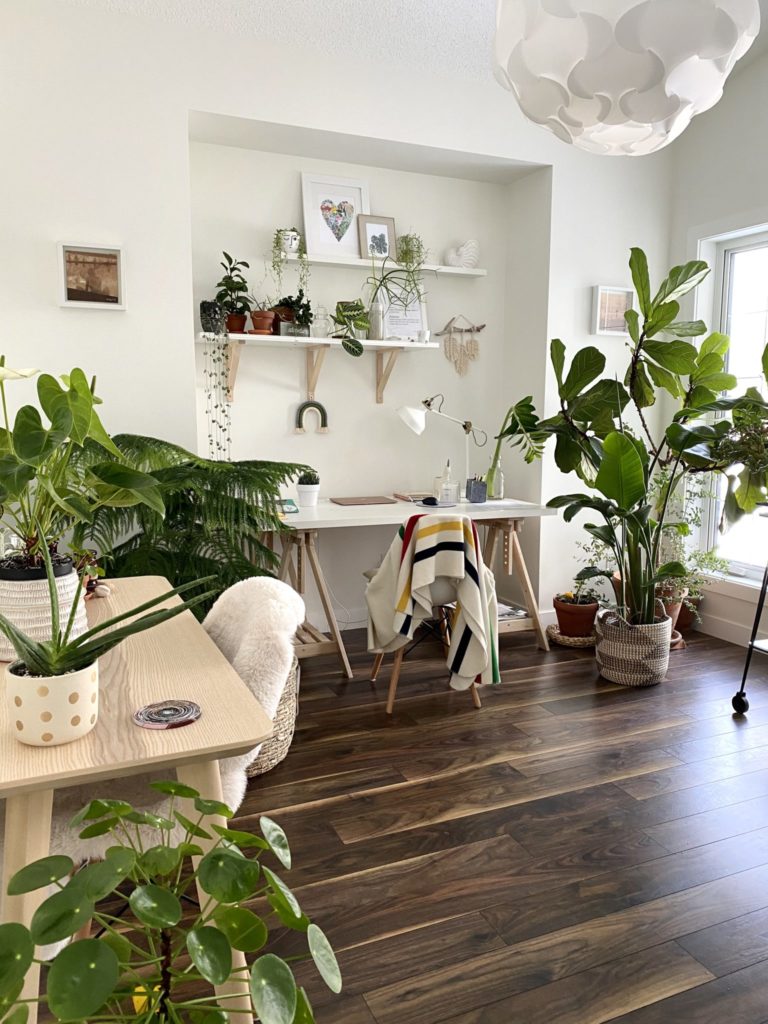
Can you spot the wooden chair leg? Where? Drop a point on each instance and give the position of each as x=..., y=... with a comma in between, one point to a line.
x=376, y=666
x=475, y=696
x=395, y=678
x=445, y=632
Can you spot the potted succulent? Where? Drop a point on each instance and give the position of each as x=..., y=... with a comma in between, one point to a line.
x=294, y=315
x=232, y=295
x=576, y=610
x=165, y=966
x=45, y=490
x=308, y=489
x=53, y=688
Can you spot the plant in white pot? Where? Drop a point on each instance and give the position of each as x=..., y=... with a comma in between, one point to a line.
x=45, y=490
x=308, y=489
x=53, y=688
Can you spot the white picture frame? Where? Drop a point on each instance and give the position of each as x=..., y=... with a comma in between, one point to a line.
x=331, y=207
x=609, y=303
x=87, y=281
x=409, y=323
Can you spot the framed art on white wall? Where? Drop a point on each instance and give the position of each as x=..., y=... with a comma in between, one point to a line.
x=609, y=304
x=331, y=208
x=91, y=276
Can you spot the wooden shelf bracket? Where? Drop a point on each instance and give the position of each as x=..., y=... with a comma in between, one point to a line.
x=315, y=357
x=384, y=370
x=233, y=362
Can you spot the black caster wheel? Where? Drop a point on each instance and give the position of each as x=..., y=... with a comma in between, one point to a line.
x=740, y=703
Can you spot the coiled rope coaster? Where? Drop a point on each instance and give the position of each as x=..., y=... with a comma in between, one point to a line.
x=167, y=714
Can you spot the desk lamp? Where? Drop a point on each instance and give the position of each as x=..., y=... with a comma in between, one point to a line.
x=415, y=417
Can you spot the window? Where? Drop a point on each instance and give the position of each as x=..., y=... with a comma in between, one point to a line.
x=742, y=268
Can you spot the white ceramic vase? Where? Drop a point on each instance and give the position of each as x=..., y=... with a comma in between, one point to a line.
x=27, y=604
x=46, y=711
x=307, y=495
x=465, y=255
x=289, y=241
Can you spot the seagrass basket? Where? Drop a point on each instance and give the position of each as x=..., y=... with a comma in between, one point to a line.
x=632, y=655
x=275, y=749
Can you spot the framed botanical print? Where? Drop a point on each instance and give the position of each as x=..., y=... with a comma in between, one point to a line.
x=609, y=305
x=331, y=209
x=91, y=276
x=377, y=236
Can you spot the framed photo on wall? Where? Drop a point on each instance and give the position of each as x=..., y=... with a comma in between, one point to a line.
x=377, y=236
x=331, y=210
x=91, y=276
x=609, y=304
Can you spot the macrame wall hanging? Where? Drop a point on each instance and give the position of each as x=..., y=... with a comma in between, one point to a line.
x=460, y=343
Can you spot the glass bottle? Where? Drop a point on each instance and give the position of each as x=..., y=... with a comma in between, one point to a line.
x=495, y=480
x=376, y=321
x=321, y=325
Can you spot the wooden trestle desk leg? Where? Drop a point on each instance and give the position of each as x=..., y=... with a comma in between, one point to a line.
x=306, y=554
x=514, y=562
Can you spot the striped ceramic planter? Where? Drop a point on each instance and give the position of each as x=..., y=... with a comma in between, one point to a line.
x=27, y=604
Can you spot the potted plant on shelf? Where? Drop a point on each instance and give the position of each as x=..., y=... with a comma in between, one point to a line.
x=165, y=966
x=576, y=610
x=352, y=319
x=620, y=464
x=45, y=490
x=395, y=283
x=53, y=687
x=232, y=295
x=294, y=315
x=289, y=242
x=212, y=318
x=263, y=316
x=308, y=489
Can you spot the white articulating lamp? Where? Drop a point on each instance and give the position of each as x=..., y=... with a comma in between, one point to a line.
x=415, y=417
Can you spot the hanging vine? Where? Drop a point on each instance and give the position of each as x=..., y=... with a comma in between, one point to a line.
x=218, y=413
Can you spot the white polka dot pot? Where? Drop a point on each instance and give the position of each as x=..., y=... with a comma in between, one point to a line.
x=46, y=711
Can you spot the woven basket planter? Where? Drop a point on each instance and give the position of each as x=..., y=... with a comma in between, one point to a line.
x=632, y=655
x=27, y=605
x=275, y=749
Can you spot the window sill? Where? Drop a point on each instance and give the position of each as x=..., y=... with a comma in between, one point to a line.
x=741, y=588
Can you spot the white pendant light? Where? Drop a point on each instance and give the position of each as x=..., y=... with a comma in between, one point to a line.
x=620, y=77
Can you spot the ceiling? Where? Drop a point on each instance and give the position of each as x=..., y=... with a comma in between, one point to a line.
x=389, y=33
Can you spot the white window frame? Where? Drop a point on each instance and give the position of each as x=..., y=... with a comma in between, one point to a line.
x=725, y=249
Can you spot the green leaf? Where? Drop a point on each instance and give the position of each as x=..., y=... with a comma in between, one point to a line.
x=60, y=916
x=155, y=906
x=211, y=953
x=39, y=874
x=100, y=809
x=621, y=475
x=568, y=453
x=18, y=1016
x=681, y=280
x=633, y=324
x=158, y=861
x=120, y=486
x=34, y=443
x=717, y=343
x=243, y=928
x=81, y=979
x=607, y=395
x=324, y=957
x=718, y=382
x=16, y=952
x=228, y=877
x=304, y=1013
x=764, y=362
x=277, y=839
x=638, y=265
x=642, y=389
x=751, y=490
x=245, y=840
x=706, y=365
x=15, y=477
x=194, y=829
x=175, y=789
x=664, y=379
x=213, y=807
x=98, y=828
x=588, y=363
x=670, y=570
x=676, y=356
x=119, y=945
x=99, y=879
x=557, y=358
x=687, y=328
x=352, y=346
x=273, y=990
x=661, y=318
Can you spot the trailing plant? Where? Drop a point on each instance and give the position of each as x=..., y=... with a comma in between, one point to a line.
x=300, y=306
x=165, y=967
x=411, y=251
x=277, y=262
x=62, y=653
x=44, y=486
x=216, y=516
x=594, y=440
x=232, y=294
x=399, y=283
x=351, y=318
x=309, y=478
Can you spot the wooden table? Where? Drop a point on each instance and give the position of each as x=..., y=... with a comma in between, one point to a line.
x=176, y=659
x=503, y=520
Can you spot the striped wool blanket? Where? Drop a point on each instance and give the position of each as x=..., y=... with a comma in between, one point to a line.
x=399, y=597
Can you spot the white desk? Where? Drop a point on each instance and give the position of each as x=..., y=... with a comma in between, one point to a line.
x=503, y=521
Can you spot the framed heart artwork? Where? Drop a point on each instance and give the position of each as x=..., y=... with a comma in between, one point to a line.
x=331, y=208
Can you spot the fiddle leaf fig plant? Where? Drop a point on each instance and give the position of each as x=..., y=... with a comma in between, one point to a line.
x=602, y=434
x=165, y=966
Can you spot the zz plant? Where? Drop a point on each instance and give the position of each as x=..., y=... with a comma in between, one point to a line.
x=602, y=433
x=164, y=966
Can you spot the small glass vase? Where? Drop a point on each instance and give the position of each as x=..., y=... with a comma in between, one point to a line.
x=495, y=480
x=322, y=324
x=376, y=321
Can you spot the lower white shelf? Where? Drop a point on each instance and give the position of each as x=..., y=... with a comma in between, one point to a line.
x=292, y=341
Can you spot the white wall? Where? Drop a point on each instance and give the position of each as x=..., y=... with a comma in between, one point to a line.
x=96, y=149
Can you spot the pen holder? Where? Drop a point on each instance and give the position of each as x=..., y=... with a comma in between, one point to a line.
x=477, y=491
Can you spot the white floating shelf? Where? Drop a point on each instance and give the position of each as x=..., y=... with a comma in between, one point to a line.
x=365, y=264
x=386, y=352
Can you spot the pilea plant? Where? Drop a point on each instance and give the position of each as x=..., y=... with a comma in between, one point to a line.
x=161, y=965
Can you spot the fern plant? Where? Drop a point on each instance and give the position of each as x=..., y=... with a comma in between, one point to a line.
x=216, y=514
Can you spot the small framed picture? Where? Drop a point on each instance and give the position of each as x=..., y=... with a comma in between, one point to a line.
x=609, y=305
x=91, y=276
x=406, y=323
x=331, y=210
x=377, y=236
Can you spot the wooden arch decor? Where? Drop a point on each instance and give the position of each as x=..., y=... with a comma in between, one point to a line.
x=322, y=414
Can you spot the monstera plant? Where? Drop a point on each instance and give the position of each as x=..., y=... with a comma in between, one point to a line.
x=602, y=434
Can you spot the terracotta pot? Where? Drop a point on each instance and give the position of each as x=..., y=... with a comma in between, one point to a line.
x=575, y=619
x=284, y=313
x=673, y=605
x=263, y=320
x=236, y=323
x=687, y=619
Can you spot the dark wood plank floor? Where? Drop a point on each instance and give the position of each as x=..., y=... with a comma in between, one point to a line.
x=574, y=852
